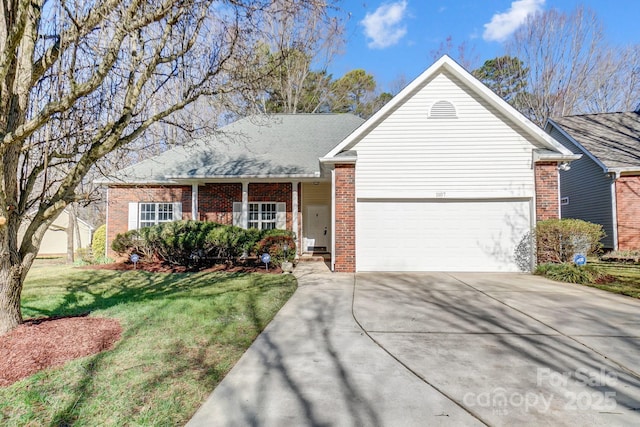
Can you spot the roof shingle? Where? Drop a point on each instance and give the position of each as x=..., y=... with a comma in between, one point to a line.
x=279, y=145
x=613, y=138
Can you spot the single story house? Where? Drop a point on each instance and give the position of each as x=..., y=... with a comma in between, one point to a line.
x=603, y=187
x=445, y=177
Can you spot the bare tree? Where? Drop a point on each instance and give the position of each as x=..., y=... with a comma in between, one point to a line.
x=572, y=69
x=462, y=53
x=80, y=79
x=296, y=44
x=615, y=82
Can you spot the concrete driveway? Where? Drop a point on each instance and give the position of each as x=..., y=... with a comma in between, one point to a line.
x=437, y=349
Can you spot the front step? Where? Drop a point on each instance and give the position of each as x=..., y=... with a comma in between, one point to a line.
x=315, y=257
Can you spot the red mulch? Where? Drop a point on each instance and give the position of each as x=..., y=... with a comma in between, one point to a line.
x=162, y=267
x=44, y=343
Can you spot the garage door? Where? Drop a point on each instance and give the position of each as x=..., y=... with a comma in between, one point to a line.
x=440, y=235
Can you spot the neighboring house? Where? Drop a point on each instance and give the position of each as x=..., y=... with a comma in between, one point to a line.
x=445, y=177
x=54, y=242
x=603, y=187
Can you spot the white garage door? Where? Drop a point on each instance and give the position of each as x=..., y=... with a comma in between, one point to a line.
x=440, y=235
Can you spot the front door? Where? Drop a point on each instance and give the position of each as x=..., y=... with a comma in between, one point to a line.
x=317, y=226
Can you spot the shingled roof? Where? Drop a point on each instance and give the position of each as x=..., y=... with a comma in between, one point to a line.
x=274, y=146
x=612, y=138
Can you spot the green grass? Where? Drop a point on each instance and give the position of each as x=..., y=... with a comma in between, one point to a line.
x=618, y=278
x=181, y=335
x=626, y=278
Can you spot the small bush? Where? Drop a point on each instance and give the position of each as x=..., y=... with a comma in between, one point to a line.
x=99, y=242
x=571, y=273
x=557, y=240
x=273, y=244
x=229, y=242
x=131, y=242
x=179, y=242
x=83, y=255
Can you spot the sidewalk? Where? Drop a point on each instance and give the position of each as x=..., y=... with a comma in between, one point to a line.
x=314, y=366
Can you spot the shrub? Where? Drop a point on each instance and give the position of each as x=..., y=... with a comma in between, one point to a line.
x=179, y=242
x=99, y=242
x=229, y=242
x=131, y=242
x=194, y=242
x=83, y=256
x=557, y=240
x=571, y=273
x=273, y=244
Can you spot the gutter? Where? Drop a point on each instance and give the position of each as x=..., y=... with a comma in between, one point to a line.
x=341, y=160
x=542, y=156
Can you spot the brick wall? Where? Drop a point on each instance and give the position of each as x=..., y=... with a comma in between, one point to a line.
x=119, y=198
x=628, y=212
x=215, y=201
x=273, y=192
x=547, y=203
x=345, y=201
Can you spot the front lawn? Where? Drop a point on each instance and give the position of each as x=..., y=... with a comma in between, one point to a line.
x=181, y=335
x=626, y=278
x=619, y=278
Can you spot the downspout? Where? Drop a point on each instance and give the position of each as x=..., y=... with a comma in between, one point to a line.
x=614, y=208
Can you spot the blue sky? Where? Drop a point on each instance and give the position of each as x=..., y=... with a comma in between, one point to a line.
x=390, y=38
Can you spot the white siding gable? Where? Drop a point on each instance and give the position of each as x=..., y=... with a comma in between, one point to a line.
x=478, y=154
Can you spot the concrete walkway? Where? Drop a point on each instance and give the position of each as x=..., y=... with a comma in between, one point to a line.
x=436, y=349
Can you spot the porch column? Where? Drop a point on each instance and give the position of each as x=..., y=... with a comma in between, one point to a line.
x=294, y=209
x=245, y=205
x=195, y=215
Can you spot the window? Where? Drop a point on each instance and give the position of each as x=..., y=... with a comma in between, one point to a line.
x=262, y=215
x=155, y=213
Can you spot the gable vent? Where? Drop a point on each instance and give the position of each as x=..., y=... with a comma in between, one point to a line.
x=443, y=110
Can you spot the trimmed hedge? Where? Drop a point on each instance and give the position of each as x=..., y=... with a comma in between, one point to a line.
x=557, y=240
x=191, y=242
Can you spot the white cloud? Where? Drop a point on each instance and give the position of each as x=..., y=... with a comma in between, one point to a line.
x=384, y=26
x=502, y=25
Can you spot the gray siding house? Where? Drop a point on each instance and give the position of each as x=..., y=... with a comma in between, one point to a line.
x=601, y=186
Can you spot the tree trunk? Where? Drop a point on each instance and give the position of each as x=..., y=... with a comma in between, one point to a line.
x=10, y=290
x=71, y=227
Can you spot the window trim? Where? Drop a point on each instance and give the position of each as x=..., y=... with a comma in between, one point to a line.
x=260, y=221
x=156, y=213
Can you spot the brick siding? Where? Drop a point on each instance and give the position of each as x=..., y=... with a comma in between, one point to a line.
x=628, y=212
x=215, y=201
x=547, y=203
x=120, y=197
x=274, y=192
x=345, y=202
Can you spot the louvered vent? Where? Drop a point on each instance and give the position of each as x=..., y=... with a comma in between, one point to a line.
x=443, y=110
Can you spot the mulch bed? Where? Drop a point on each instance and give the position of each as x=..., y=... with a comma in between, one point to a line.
x=162, y=267
x=44, y=343
x=51, y=342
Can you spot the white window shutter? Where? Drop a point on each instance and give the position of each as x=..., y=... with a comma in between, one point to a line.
x=281, y=216
x=237, y=214
x=133, y=215
x=177, y=211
